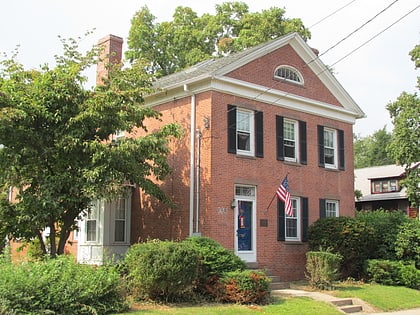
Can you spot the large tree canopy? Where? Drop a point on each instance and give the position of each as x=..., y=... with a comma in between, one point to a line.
x=405, y=144
x=371, y=150
x=171, y=46
x=56, y=150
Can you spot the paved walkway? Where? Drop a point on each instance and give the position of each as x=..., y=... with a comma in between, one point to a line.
x=367, y=309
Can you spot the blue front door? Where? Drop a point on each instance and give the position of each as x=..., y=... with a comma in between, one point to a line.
x=245, y=227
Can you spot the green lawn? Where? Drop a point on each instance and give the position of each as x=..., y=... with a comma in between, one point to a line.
x=386, y=298
x=289, y=306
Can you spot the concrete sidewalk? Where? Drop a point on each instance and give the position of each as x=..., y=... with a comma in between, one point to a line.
x=345, y=305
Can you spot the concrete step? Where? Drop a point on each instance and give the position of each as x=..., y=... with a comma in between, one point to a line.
x=342, y=302
x=280, y=285
x=351, y=308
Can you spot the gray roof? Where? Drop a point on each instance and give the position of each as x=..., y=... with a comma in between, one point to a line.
x=205, y=68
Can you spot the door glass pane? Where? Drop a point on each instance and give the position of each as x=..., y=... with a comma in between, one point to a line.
x=244, y=225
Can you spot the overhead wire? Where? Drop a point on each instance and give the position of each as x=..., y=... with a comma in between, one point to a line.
x=348, y=54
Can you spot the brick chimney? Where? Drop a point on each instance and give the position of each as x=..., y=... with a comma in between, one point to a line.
x=111, y=54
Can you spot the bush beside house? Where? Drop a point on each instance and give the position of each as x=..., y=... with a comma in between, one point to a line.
x=378, y=246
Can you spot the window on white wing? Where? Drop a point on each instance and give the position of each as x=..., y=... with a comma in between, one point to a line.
x=120, y=220
x=92, y=223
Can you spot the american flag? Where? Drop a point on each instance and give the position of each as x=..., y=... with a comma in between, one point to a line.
x=283, y=193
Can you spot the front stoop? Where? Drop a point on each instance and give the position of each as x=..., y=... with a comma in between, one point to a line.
x=347, y=306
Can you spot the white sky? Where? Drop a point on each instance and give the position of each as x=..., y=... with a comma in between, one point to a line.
x=374, y=75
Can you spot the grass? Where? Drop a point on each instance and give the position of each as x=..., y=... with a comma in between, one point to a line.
x=386, y=298
x=289, y=306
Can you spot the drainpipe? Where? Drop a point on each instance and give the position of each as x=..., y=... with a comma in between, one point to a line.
x=192, y=156
x=197, y=178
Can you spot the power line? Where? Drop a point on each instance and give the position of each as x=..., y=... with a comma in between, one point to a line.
x=359, y=28
x=376, y=35
x=331, y=14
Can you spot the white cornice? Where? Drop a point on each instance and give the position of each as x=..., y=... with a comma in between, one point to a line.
x=258, y=93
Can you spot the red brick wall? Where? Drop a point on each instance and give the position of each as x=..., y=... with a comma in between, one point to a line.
x=261, y=71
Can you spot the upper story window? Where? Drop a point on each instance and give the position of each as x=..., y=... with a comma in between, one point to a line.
x=330, y=148
x=384, y=186
x=245, y=131
x=291, y=140
x=289, y=74
x=118, y=135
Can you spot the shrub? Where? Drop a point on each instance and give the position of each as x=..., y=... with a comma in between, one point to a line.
x=344, y=236
x=407, y=246
x=161, y=270
x=243, y=287
x=214, y=258
x=60, y=286
x=322, y=269
x=390, y=272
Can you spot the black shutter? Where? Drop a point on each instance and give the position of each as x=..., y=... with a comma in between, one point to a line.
x=302, y=143
x=231, y=120
x=281, y=233
x=259, y=134
x=279, y=137
x=322, y=210
x=305, y=219
x=341, y=161
x=321, y=156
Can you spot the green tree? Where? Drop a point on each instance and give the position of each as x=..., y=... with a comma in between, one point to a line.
x=188, y=39
x=57, y=151
x=371, y=150
x=405, y=144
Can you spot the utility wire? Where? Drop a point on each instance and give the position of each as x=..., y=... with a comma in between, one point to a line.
x=359, y=28
x=331, y=14
x=373, y=37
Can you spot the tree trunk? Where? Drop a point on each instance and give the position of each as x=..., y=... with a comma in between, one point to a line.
x=42, y=243
x=53, y=245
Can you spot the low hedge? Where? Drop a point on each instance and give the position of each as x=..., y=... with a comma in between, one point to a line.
x=242, y=287
x=162, y=270
x=322, y=269
x=390, y=272
x=60, y=286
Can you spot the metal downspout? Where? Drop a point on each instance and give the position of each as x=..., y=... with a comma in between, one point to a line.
x=192, y=158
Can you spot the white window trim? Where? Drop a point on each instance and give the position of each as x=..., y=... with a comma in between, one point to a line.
x=290, y=68
x=98, y=208
x=298, y=219
x=296, y=140
x=335, y=142
x=251, y=151
x=126, y=220
x=336, y=206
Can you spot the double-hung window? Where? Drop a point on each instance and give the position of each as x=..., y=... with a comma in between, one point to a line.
x=328, y=208
x=295, y=226
x=330, y=148
x=92, y=222
x=291, y=140
x=120, y=220
x=245, y=131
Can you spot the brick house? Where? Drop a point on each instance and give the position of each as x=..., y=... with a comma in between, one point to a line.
x=249, y=120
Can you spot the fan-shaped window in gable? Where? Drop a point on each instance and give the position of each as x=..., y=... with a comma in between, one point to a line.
x=289, y=74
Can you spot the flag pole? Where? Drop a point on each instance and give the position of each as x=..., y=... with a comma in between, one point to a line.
x=274, y=196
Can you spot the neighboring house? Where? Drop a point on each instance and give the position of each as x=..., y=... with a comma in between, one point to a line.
x=380, y=189
x=249, y=119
